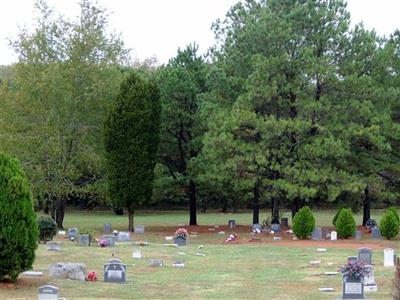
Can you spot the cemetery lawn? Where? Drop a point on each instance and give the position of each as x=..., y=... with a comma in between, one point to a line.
x=267, y=270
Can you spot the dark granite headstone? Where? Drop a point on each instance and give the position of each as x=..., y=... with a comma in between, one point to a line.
x=232, y=224
x=83, y=240
x=110, y=239
x=365, y=255
x=275, y=227
x=107, y=229
x=48, y=292
x=73, y=233
x=376, y=233
x=352, y=259
x=352, y=289
x=358, y=235
x=115, y=271
x=285, y=222
x=316, y=235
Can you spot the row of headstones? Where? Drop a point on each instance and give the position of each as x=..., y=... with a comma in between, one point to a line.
x=274, y=227
x=138, y=229
x=317, y=234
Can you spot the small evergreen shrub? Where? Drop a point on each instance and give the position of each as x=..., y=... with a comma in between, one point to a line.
x=345, y=224
x=47, y=228
x=394, y=210
x=336, y=216
x=389, y=225
x=303, y=223
x=18, y=222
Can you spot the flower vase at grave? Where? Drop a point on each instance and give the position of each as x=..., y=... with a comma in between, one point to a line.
x=353, y=288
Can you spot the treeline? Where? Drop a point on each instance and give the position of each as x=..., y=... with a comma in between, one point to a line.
x=292, y=106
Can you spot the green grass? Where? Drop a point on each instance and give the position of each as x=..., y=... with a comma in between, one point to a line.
x=241, y=271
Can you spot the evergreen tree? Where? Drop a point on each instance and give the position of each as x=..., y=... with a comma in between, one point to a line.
x=18, y=226
x=131, y=143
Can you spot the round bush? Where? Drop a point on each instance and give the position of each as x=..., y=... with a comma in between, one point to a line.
x=394, y=210
x=389, y=225
x=303, y=223
x=18, y=224
x=47, y=228
x=345, y=224
x=336, y=216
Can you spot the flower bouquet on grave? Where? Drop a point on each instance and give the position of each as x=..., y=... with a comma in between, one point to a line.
x=354, y=270
x=92, y=276
x=371, y=223
x=231, y=238
x=181, y=233
x=102, y=243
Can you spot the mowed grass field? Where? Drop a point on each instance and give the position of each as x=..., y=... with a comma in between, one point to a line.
x=267, y=270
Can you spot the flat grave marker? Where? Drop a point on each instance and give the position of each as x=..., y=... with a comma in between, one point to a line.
x=53, y=246
x=155, y=262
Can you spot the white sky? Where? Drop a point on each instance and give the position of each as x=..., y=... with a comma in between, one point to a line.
x=159, y=27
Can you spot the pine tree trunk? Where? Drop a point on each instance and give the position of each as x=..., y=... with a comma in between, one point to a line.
x=256, y=204
x=192, y=203
x=295, y=207
x=366, y=206
x=274, y=212
x=130, y=218
x=58, y=211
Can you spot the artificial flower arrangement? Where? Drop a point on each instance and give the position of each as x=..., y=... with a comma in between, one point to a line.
x=92, y=276
x=354, y=270
x=181, y=233
x=102, y=243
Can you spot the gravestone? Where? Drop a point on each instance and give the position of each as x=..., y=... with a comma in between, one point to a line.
x=48, y=292
x=376, y=233
x=107, y=229
x=155, y=263
x=115, y=271
x=333, y=235
x=139, y=229
x=388, y=260
x=74, y=271
x=124, y=236
x=369, y=280
x=316, y=235
x=358, y=235
x=275, y=227
x=73, y=233
x=178, y=264
x=285, y=222
x=232, y=224
x=61, y=232
x=137, y=253
x=365, y=255
x=352, y=289
x=53, y=246
x=256, y=228
x=83, y=240
x=352, y=259
x=110, y=239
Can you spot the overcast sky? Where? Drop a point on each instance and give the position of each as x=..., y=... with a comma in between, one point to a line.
x=159, y=27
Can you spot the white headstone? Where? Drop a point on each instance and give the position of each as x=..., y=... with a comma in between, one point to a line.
x=137, y=254
x=333, y=235
x=388, y=257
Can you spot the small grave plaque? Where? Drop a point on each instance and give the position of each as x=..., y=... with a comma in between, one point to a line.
x=83, y=240
x=388, y=257
x=376, y=233
x=333, y=235
x=316, y=235
x=110, y=239
x=232, y=224
x=73, y=233
x=139, y=229
x=137, y=253
x=169, y=238
x=107, y=229
x=115, y=271
x=53, y=246
x=155, y=263
x=365, y=255
x=124, y=236
x=285, y=222
x=179, y=264
x=48, y=292
x=326, y=289
x=277, y=238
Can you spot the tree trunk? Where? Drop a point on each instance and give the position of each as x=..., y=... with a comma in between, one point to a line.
x=130, y=218
x=295, y=207
x=192, y=203
x=58, y=211
x=274, y=212
x=256, y=204
x=366, y=206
